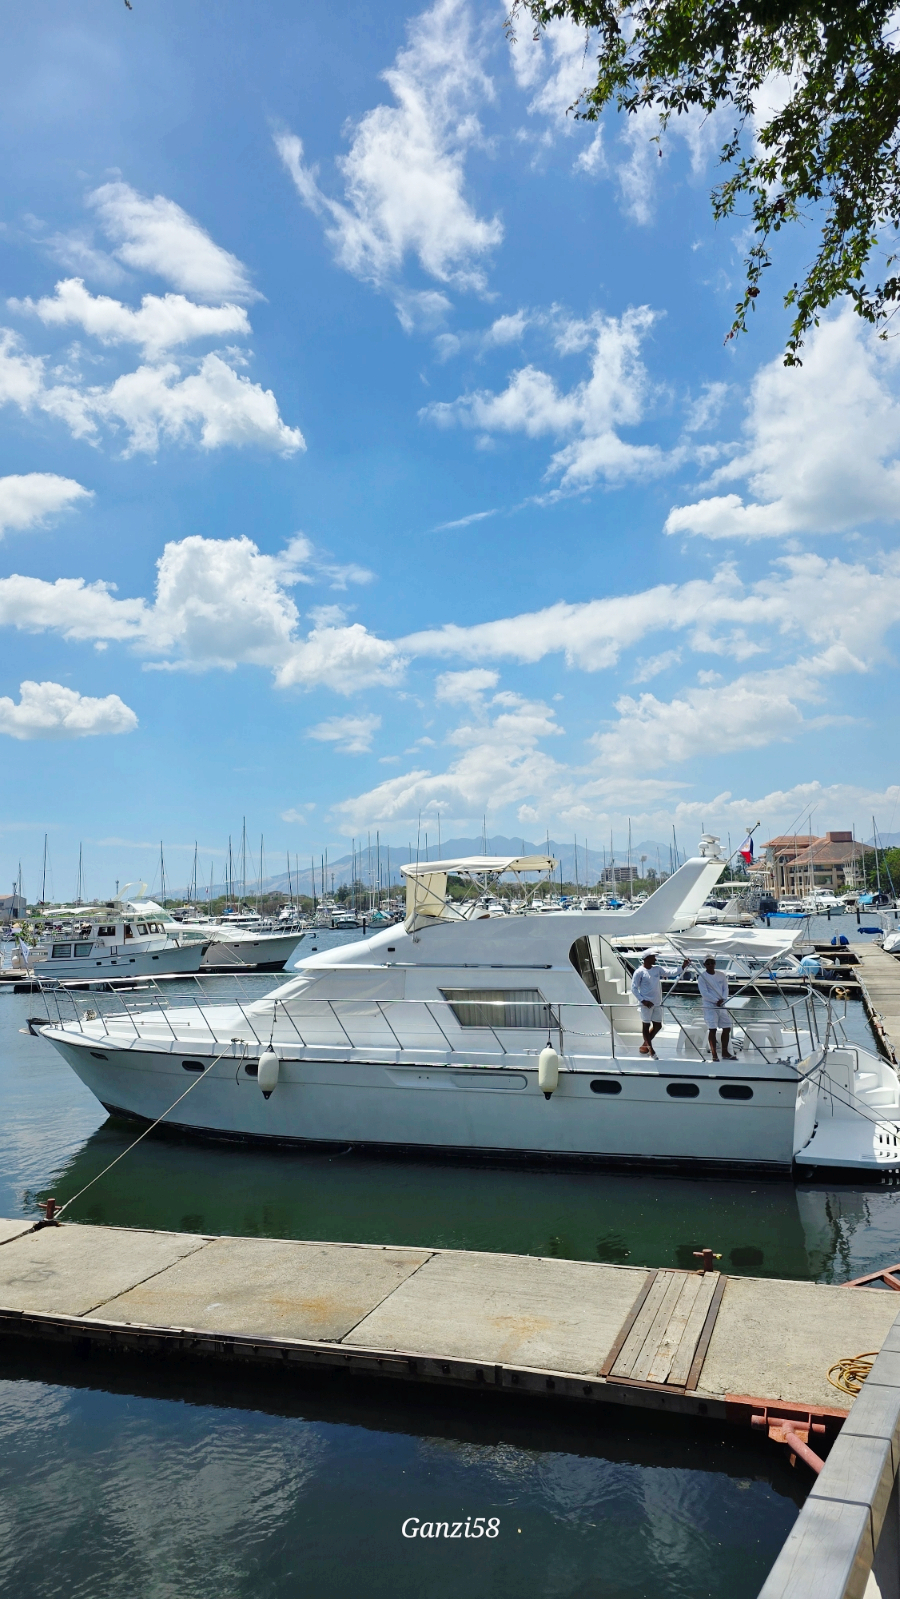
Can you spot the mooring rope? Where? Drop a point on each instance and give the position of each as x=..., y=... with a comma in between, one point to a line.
x=852, y=1372
x=141, y=1136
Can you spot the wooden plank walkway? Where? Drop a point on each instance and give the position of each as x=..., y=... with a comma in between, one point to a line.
x=878, y=975
x=673, y=1340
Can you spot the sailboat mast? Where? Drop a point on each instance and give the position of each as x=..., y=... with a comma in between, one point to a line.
x=44, y=874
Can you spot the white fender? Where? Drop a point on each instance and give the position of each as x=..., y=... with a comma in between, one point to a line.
x=267, y=1076
x=548, y=1071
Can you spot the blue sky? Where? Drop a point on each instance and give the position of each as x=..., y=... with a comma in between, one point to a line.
x=370, y=449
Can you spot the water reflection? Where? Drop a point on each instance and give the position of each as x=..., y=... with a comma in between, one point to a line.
x=264, y=1486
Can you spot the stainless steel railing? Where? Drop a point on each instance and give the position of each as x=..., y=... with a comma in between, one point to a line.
x=302, y=1016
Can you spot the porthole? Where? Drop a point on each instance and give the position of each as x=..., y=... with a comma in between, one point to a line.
x=735, y=1091
x=97, y=1055
x=605, y=1085
x=682, y=1090
x=252, y=1068
x=193, y=1066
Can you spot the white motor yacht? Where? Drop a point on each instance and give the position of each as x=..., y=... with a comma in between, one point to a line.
x=242, y=943
x=496, y=1036
x=113, y=943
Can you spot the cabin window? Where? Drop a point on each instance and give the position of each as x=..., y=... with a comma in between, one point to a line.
x=129, y=931
x=252, y=1068
x=193, y=1066
x=605, y=1085
x=682, y=1090
x=61, y=952
x=142, y=927
x=83, y=949
x=106, y=932
x=735, y=1091
x=95, y=1053
x=500, y=1007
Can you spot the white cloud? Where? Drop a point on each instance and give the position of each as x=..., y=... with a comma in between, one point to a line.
x=463, y=521
x=161, y=323
x=507, y=329
x=835, y=600
x=351, y=735
x=212, y=406
x=748, y=713
x=343, y=659
x=637, y=175
x=555, y=69
x=655, y=664
x=293, y=816
x=77, y=253
x=615, y=395
x=28, y=499
x=455, y=688
x=155, y=235
x=219, y=603
x=823, y=444
x=557, y=66
x=156, y=401
x=77, y=610
x=48, y=710
x=404, y=175
x=501, y=763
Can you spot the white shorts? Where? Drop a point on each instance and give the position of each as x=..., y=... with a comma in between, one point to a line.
x=717, y=1016
x=649, y=1015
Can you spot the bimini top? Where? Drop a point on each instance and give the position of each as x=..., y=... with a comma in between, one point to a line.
x=426, y=883
x=493, y=865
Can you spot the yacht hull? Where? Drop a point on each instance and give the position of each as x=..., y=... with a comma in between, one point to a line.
x=497, y=1111
x=187, y=958
x=268, y=953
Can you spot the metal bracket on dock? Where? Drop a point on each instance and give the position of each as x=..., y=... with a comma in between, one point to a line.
x=889, y=1275
x=787, y=1424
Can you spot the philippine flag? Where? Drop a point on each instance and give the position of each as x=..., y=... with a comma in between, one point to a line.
x=747, y=850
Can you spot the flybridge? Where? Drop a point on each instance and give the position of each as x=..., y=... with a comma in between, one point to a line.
x=673, y=906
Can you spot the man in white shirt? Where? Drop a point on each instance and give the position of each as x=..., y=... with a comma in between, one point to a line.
x=713, y=988
x=646, y=986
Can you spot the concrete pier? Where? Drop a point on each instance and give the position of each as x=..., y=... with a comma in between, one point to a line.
x=678, y=1341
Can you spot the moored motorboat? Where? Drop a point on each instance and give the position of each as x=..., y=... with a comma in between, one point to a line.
x=113, y=944
x=462, y=1030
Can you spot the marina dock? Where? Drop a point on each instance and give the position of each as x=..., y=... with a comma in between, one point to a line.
x=878, y=976
x=696, y=1343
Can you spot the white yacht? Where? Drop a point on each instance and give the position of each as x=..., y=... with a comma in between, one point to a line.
x=496, y=1035
x=239, y=948
x=112, y=943
x=241, y=943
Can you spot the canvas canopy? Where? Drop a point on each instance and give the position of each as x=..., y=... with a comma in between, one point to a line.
x=476, y=865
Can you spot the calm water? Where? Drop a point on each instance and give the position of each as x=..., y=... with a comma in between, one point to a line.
x=129, y=1477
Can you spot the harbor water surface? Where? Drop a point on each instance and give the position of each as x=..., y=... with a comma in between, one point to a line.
x=128, y=1476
